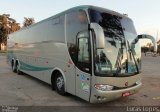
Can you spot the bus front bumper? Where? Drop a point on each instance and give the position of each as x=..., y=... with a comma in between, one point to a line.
x=105, y=96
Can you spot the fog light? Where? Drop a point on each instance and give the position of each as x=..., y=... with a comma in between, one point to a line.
x=103, y=87
x=138, y=82
x=100, y=98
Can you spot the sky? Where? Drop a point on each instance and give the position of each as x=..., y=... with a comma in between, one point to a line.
x=144, y=13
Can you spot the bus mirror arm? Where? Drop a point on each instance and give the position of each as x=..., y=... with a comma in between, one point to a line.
x=144, y=36
x=99, y=33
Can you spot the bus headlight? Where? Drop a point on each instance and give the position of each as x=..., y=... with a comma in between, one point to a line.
x=103, y=87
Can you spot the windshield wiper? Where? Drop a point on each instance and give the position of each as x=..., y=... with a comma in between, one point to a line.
x=134, y=60
x=119, y=58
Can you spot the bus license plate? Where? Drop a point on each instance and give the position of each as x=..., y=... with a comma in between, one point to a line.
x=126, y=94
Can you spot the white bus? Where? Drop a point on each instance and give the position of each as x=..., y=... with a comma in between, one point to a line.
x=87, y=51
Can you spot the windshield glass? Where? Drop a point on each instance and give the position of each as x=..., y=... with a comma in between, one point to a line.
x=130, y=34
x=115, y=59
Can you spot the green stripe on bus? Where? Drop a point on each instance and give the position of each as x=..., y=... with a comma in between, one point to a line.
x=28, y=67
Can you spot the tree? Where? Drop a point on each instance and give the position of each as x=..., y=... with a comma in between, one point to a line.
x=158, y=47
x=149, y=45
x=158, y=42
x=7, y=26
x=144, y=49
x=28, y=22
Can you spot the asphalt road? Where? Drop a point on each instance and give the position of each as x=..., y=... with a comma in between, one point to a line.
x=23, y=90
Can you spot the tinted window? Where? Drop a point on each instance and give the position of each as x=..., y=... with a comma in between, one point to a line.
x=76, y=22
x=83, y=62
x=113, y=59
x=83, y=54
x=110, y=23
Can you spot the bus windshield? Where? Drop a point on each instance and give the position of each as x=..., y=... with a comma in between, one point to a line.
x=115, y=59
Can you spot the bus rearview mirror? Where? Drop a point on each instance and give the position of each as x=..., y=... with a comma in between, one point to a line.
x=99, y=33
x=145, y=36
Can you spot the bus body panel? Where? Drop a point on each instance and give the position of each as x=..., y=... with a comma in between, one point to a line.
x=121, y=85
x=104, y=96
x=40, y=49
x=117, y=81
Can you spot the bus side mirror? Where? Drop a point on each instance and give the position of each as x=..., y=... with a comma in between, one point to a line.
x=100, y=38
x=144, y=36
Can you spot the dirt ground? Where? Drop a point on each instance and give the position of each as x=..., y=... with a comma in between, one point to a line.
x=23, y=90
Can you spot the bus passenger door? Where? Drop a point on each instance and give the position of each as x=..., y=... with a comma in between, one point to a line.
x=83, y=68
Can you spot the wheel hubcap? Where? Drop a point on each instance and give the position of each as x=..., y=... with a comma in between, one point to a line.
x=60, y=82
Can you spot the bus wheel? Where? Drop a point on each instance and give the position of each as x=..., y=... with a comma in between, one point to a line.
x=13, y=66
x=17, y=69
x=59, y=84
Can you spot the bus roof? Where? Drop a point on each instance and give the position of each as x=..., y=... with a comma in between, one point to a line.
x=75, y=8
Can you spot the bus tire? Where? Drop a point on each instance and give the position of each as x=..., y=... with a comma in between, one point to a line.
x=13, y=66
x=60, y=84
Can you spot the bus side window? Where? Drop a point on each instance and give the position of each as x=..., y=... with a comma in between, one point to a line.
x=76, y=21
x=83, y=54
x=83, y=62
